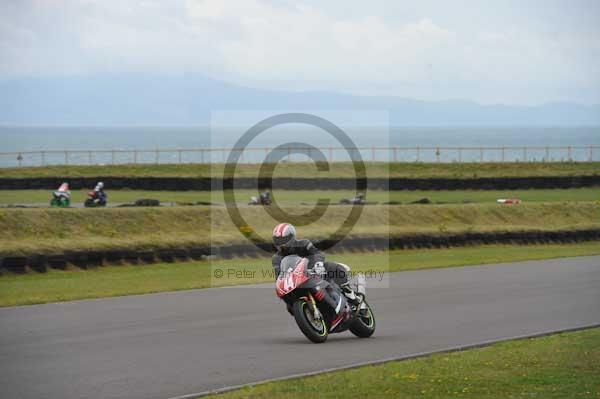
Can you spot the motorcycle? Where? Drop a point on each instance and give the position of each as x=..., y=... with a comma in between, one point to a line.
x=263, y=199
x=358, y=200
x=61, y=198
x=304, y=291
x=95, y=199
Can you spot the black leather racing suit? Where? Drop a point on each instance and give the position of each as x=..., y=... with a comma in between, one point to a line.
x=102, y=197
x=335, y=271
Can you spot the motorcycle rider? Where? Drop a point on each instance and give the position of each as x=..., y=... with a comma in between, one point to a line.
x=359, y=199
x=284, y=238
x=62, y=196
x=63, y=191
x=99, y=190
x=265, y=198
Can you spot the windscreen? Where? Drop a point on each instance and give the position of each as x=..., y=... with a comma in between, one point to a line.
x=289, y=262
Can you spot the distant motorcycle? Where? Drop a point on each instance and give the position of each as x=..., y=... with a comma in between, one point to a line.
x=264, y=199
x=304, y=293
x=95, y=199
x=358, y=200
x=61, y=198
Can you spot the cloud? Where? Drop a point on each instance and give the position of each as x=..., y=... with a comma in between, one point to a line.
x=299, y=46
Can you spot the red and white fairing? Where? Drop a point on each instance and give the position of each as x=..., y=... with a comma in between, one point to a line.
x=289, y=281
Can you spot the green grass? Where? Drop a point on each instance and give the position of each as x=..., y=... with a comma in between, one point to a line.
x=31, y=231
x=559, y=366
x=337, y=169
x=307, y=196
x=106, y=281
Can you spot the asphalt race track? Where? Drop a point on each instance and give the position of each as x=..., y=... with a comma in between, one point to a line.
x=171, y=344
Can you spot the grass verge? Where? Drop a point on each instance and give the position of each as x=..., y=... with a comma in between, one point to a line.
x=34, y=231
x=309, y=196
x=107, y=281
x=565, y=365
x=337, y=169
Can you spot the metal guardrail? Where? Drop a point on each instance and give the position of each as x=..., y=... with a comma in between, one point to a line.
x=589, y=153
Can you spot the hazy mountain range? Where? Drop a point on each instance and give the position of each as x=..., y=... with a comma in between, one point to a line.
x=187, y=100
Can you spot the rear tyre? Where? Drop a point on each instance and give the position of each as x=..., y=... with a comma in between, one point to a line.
x=314, y=330
x=364, y=325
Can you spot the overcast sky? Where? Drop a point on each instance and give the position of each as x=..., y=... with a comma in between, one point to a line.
x=496, y=51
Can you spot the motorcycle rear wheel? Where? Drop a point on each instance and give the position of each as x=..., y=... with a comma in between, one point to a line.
x=364, y=326
x=314, y=330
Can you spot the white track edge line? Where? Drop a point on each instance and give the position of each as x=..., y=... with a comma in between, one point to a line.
x=386, y=360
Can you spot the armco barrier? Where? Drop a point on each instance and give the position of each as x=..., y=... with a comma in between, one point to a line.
x=86, y=259
x=394, y=183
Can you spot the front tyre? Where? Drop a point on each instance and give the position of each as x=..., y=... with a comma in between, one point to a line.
x=315, y=330
x=364, y=325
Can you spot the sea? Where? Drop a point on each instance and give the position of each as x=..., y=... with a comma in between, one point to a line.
x=103, y=145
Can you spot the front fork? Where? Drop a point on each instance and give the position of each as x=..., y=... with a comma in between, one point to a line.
x=313, y=304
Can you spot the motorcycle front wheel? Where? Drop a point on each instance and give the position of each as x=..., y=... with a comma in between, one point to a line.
x=315, y=330
x=364, y=325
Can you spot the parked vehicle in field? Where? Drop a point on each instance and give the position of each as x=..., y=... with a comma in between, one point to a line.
x=61, y=198
x=318, y=305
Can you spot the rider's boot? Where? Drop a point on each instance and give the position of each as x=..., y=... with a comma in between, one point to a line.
x=352, y=296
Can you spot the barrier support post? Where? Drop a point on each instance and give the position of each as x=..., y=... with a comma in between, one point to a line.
x=570, y=151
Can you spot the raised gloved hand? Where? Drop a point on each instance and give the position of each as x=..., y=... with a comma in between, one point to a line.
x=319, y=268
